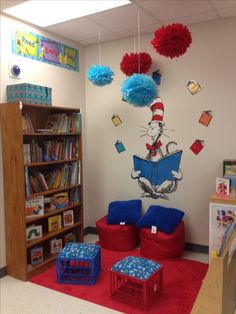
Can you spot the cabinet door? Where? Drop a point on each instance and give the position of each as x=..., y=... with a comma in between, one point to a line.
x=220, y=216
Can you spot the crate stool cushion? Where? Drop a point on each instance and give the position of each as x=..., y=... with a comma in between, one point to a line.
x=117, y=237
x=162, y=245
x=136, y=281
x=79, y=263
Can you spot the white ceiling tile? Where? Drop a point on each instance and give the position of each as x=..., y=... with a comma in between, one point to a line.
x=144, y=30
x=199, y=18
x=94, y=40
x=229, y=12
x=221, y=4
x=78, y=29
x=171, y=10
x=122, y=18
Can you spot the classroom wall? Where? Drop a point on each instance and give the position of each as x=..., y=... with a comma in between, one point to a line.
x=67, y=88
x=211, y=61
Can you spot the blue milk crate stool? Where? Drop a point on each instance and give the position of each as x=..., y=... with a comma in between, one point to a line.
x=79, y=263
x=136, y=281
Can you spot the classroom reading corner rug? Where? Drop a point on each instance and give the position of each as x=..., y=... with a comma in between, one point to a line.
x=182, y=280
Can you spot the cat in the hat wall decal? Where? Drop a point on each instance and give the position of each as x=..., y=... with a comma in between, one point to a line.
x=159, y=173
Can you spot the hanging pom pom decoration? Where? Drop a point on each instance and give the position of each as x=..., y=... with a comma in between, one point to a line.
x=135, y=63
x=100, y=75
x=139, y=90
x=172, y=40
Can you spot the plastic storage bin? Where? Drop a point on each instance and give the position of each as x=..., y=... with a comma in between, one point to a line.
x=79, y=263
x=29, y=93
x=136, y=281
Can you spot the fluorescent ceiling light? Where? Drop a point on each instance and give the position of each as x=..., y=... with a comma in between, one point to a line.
x=44, y=13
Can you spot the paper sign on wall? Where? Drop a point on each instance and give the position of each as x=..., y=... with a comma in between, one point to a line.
x=206, y=117
x=119, y=146
x=197, y=146
x=43, y=49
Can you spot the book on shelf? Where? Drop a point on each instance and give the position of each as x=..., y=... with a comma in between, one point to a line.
x=54, y=223
x=68, y=218
x=33, y=232
x=232, y=184
x=70, y=237
x=49, y=205
x=76, y=122
x=229, y=166
x=34, y=206
x=36, y=255
x=60, y=200
x=74, y=195
x=229, y=230
x=27, y=154
x=55, y=245
x=222, y=186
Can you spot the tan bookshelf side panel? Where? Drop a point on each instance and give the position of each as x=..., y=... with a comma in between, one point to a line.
x=14, y=202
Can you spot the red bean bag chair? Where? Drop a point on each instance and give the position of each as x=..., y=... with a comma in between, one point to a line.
x=162, y=245
x=117, y=237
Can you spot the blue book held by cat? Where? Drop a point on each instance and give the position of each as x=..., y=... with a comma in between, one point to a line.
x=158, y=171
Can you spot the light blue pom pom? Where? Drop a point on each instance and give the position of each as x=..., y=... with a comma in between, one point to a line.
x=100, y=75
x=139, y=90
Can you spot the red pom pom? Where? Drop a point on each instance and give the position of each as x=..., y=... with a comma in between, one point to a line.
x=135, y=63
x=172, y=40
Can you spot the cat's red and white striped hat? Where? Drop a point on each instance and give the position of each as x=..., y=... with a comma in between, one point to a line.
x=157, y=108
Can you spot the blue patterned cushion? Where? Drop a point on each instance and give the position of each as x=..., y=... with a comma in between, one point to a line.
x=137, y=267
x=164, y=218
x=128, y=212
x=79, y=250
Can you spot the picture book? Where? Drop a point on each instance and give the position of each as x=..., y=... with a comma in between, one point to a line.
x=232, y=184
x=222, y=186
x=230, y=228
x=54, y=223
x=68, y=218
x=55, y=245
x=60, y=200
x=70, y=237
x=76, y=122
x=36, y=255
x=33, y=232
x=158, y=171
x=34, y=206
x=74, y=195
x=48, y=204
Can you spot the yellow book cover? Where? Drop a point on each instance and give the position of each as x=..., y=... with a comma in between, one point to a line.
x=54, y=223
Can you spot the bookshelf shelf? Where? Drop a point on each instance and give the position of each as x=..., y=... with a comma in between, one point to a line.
x=48, y=134
x=52, y=191
x=24, y=182
x=49, y=163
x=53, y=234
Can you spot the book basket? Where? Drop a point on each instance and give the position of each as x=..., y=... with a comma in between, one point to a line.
x=136, y=281
x=79, y=263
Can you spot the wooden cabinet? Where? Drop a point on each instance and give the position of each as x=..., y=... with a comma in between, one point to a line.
x=21, y=185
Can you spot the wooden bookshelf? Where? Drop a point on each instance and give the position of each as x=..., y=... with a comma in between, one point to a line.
x=18, y=249
x=218, y=291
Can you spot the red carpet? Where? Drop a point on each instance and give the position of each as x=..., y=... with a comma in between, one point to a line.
x=182, y=281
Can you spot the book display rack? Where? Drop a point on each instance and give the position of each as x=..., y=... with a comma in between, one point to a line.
x=42, y=168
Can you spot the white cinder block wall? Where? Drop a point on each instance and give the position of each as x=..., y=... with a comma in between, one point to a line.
x=211, y=61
